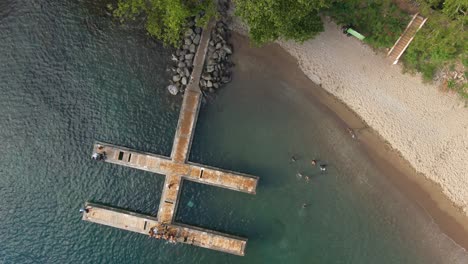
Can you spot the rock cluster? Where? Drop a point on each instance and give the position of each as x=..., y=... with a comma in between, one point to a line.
x=217, y=69
x=183, y=59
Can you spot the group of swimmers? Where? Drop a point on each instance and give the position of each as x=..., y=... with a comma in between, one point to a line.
x=164, y=235
x=314, y=162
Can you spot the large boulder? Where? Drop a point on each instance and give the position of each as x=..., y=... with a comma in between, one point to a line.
x=176, y=78
x=189, y=32
x=227, y=48
x=187, y=41
x=196, y=39
x=192, y=48
x=173, y=89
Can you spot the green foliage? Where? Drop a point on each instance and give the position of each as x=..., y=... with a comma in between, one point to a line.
x=164, y=19
x=269, y=20
x=379, y=20
x=441, y=41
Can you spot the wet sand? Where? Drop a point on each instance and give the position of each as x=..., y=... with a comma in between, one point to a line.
x=400, y=173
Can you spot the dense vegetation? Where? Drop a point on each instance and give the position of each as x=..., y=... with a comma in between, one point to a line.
x=442, y=41
x=269, y=20
x=164, y=19
x=440, y=44
x=381, y=21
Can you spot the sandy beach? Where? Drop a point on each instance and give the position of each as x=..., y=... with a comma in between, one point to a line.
x=411, y=128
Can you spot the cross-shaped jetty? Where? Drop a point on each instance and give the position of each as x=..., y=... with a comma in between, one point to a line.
x=177, y=168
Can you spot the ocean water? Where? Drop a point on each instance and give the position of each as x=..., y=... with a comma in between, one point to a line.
x=69, y=75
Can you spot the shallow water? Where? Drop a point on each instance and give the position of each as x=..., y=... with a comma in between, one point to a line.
x=70, y=76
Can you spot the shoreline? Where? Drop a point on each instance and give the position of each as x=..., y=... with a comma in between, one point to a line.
x=424, y=191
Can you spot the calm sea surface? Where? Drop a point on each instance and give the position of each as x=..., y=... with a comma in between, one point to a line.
x=69, y=76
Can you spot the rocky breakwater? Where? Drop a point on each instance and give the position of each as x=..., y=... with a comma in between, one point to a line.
x=218, y=64
x=183, y=59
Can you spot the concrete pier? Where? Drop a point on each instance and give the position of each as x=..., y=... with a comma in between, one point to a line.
x=147, y=225
x=177, y=169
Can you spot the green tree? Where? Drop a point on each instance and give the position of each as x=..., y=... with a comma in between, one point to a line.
x=164, y=19
x=456, y=8
x=269, y=20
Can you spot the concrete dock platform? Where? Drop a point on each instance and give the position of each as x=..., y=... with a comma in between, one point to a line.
x=147, y=225
x=176, y=169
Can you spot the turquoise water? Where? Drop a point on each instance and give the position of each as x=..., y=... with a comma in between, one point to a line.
x=70, y=76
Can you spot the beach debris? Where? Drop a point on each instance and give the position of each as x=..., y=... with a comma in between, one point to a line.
x=313, y=162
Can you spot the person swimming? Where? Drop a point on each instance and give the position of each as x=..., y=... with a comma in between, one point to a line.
x=323, y=167
x=293, y=158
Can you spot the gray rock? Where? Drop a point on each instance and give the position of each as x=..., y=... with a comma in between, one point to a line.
x=202, y=83
x=215, y=56
x=210, y=62
x=220, y=38
x=186, y=72
x=211, y=48
x=189, y=56
x=226, y=79
x=227, y=48
x=216, y=85
x=176, y=78
x=181, y=58
x=219, y=45
x=196, y=39
x=185, y=47
x=212, y=43
x=198, y=30
x=187, y=41
x=181, y=65
x=184, y=80
x=222, y=54
x=206, y=76
x=191, y=23
x=209, y=84
x=180, y=71
x=192, y=48
x=210, y=68
x=173, y=89
x=189, y=32
x=188, y=63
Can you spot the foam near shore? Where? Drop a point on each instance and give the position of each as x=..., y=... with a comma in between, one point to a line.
x=428, y=127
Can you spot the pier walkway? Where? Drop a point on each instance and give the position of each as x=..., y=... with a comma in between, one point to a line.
x=177, y=169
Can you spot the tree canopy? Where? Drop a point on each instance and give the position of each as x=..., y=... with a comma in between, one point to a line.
x=269, y=20
x=164, y=19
